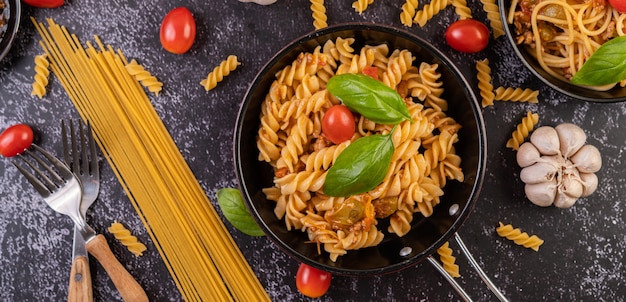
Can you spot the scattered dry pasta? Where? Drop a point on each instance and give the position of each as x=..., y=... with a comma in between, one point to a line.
x=219, y=72
x=484, y=82
x=461, y=9
x=361, y=5
x=144, y=77
x=122, y=234
x=516, y=94
x=429, y=10
x=42, y=72
x=290, y=140
x=408, y=12
x=507, y=231
x=448, y=261
x=319, y=14
x=523, y=130
x=493, y=14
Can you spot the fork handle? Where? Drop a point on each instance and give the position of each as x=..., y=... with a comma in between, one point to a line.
x=127, y=286
x=80, y=281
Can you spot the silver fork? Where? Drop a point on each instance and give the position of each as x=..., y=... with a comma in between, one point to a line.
x=86, y=169
x=62, y=191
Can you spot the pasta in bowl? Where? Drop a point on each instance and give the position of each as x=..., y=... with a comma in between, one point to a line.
x=284, y=160
x=569, y=33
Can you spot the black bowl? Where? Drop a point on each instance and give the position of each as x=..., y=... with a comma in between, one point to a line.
x=427, y=234
x=8, y=31
x=616, y=94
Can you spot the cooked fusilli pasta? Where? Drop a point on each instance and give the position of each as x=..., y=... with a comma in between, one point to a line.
x=319, y=14
x=448, y=261
x=516, y=94
x=516, y=235
x=219, y=72
x=124, y=236
x=408, y=12
x=42, y=72
x=291, y=141
x=523, y=130
x=484, y=82
x=429, y=10
x=144, y=77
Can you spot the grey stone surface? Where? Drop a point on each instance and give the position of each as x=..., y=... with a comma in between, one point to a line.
x=582, y=258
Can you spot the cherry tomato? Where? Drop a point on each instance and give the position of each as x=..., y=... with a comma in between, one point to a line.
x=311, y=281
x=338, y=124
x=15, y=139
x=619, y=5
x=44, y=3
x=467, y=35
x=178, y=30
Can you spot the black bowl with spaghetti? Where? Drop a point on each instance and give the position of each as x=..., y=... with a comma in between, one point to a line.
x=426, y=234
x=616, y=93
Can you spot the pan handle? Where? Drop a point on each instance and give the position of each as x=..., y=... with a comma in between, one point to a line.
x=475, y=265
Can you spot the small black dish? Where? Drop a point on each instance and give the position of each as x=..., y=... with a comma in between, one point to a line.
x=12, y=13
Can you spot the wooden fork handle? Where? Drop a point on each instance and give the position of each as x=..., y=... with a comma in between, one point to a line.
x=80, y=281
x=127, y=286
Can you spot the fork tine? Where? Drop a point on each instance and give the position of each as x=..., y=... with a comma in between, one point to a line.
x=75, y=160
x=83, y=149
x=36, y=183
x=95, y=170
x=59, y=165
x=66, y=150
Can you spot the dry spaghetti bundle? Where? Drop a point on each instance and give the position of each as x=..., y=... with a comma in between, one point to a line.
x=197, y=249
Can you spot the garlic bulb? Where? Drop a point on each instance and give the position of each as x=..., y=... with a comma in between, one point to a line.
x=558, y=167
x=261, y=2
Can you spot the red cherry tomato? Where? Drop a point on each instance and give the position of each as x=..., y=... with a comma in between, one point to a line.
x=619, y=5
x=44, y=3
x=467, y=35
x=15, y=139
x=178, y=30
x=311, y=281
x=338, y=124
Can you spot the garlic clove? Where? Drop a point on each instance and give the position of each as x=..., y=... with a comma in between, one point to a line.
x=571, y=185
x=527, y=155
x=538, y=173
x=541, y=194
x=587, y=159
x=546, y=140
x=261, y=2
x=562, y=200
x=571, y=138
x=590, y=183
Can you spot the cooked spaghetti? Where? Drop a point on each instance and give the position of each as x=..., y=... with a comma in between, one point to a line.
x=201, y=256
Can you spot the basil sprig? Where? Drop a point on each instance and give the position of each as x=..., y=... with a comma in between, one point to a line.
x=369, y=97
x=231, y=203
x=360, y=167
x=606, y=65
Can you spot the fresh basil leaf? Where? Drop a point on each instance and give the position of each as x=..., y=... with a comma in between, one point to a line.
x=370, y=98
x=360, y=167
x=231, y=203
x=607, y=65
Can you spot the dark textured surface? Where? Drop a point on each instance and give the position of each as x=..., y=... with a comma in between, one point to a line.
x=582, y=258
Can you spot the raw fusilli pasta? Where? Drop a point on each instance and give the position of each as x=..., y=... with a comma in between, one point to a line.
x=319, y=14
x=484, y=82
x=448, y=261
x=461, y=9
x=42, y=72
x=493, y=14
x=516, y=235
x=516, y=94
x=523, y=130
x=361, y=5
x=144, y=77
x=124, y=236
x=219, y=72
x=429, y=10
x=408, y=12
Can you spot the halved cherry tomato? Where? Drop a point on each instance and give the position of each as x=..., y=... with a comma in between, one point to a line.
x=44, y=3
x=467, y=35
x=338, y=124
x=178, y=30
x=619, y=5
x=15, y=139
x=312, y=282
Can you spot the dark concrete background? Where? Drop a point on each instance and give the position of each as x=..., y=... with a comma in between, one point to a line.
x=582, y=258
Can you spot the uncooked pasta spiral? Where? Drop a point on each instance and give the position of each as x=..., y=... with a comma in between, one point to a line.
x=319, y=14
x=144, y=77
x=126, y=238
x=429, y=10
x=493, y=14
x=516, y=94
x=523, y=130
x=408, y=12
x=507, y=231
x=461, y=9
x=219, y=72
x=361, y=5
x=42, y=72
x=447, y=260
x=484, y=82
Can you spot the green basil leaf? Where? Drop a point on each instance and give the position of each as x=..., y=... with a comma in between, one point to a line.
x=360, y=167
x=607, y=65
x=370, y=98
x=231, y=203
